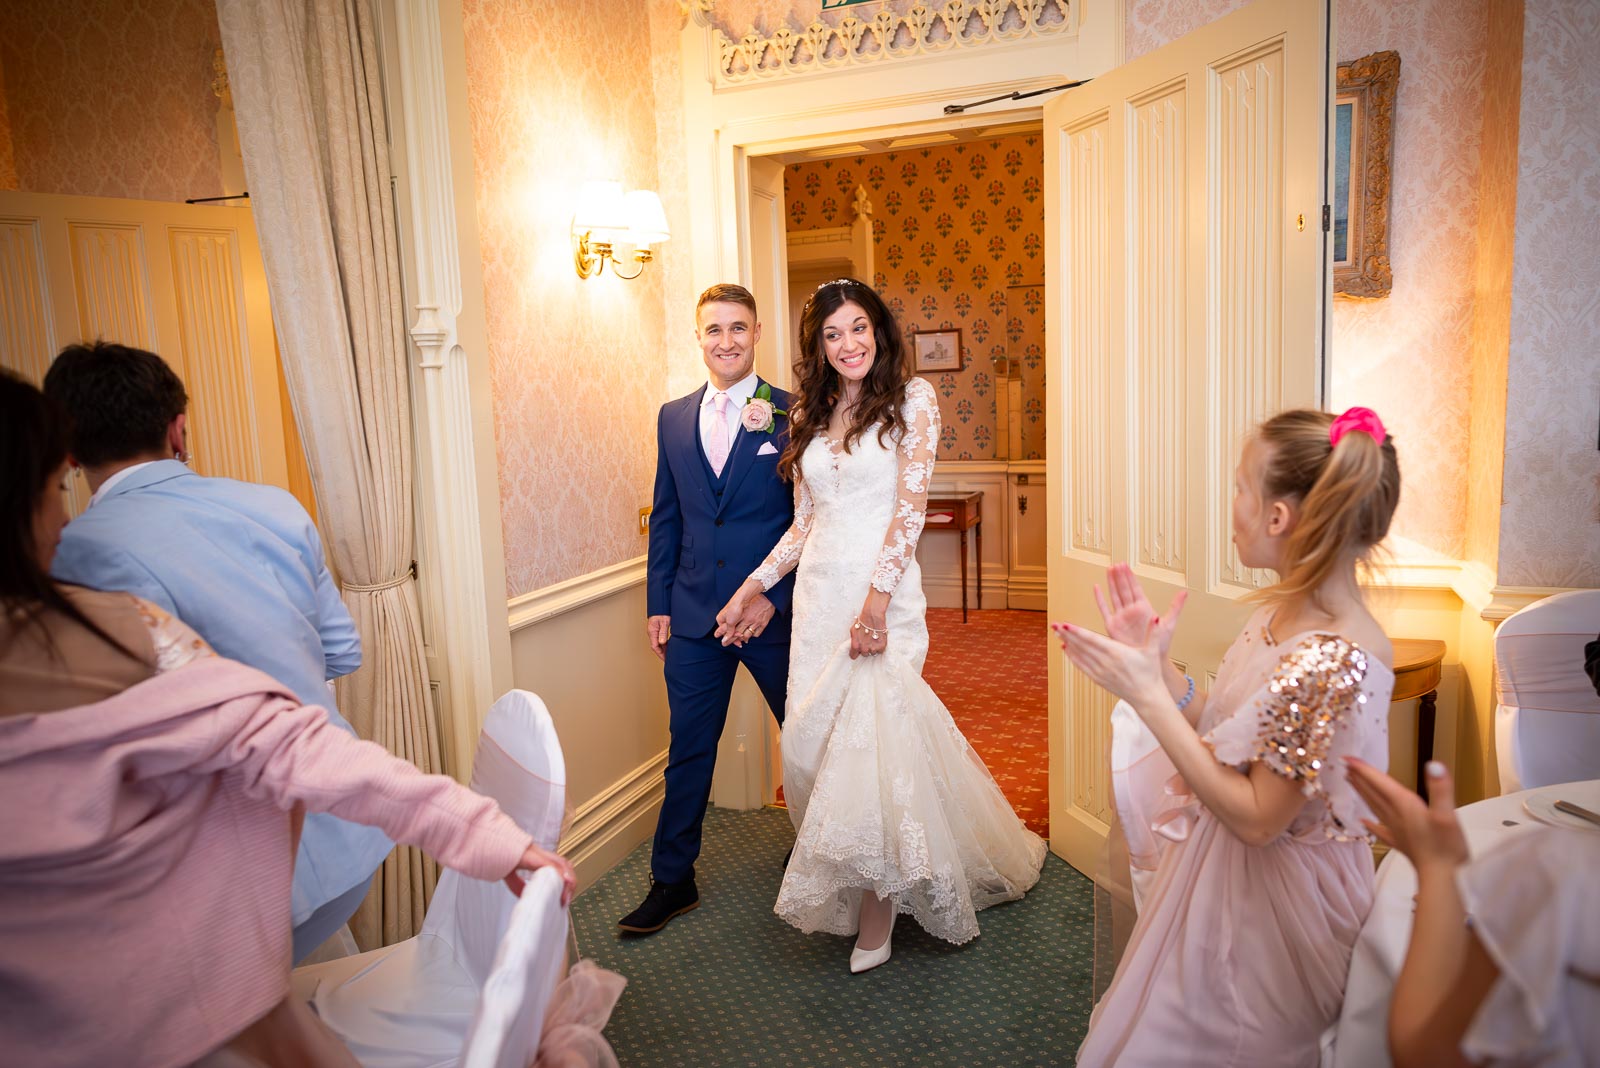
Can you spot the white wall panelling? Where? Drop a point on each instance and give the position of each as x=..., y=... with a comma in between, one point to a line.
x=1245, y=276
x=1086, y=281
x=27, y=333
x=210, y=292
x=1158, y=329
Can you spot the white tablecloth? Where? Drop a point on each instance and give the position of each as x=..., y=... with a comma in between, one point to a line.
x=1362, y=1039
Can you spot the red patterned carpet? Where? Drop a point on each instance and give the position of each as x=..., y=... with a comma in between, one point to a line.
x=990, y=672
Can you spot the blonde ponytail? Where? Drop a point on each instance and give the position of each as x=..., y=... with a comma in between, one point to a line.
x=1346, y=493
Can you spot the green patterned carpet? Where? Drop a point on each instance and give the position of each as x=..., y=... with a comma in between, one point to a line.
x=731, y=984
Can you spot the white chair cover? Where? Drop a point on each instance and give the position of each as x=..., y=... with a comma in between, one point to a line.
x=1547, y=725
x=411, y=1005
x=530, y=962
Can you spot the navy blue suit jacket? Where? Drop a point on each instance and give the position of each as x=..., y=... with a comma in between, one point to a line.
x=703, y=548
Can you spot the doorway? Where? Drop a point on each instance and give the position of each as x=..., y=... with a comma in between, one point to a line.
x=948, y=229
x=1239, y=298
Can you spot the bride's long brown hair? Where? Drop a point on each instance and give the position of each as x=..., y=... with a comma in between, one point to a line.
x=818, y=386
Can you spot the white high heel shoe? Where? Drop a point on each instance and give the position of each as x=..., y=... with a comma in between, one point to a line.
x=864, y=960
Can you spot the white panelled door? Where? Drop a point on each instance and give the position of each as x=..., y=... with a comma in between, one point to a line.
x=184, y=281
x=1188, y=280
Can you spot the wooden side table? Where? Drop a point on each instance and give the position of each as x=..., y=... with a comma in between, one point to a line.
x=965, y=512
x=1418, y=665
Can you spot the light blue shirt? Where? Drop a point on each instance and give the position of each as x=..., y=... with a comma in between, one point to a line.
x=242, y=564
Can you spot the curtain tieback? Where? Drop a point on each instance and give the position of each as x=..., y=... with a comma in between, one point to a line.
x=378, y=587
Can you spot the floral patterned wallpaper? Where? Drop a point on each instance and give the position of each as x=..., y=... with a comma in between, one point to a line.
x=959, y=237
x=8, y=159
x=110, y=98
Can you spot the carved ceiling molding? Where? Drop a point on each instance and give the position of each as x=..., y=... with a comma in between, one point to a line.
x=888, y=36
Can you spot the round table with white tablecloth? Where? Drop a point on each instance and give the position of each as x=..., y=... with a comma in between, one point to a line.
x=1362, y=1038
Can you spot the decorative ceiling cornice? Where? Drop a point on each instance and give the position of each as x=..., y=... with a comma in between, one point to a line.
x=889, y=35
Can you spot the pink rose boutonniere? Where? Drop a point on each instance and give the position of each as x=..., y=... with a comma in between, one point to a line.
x=757, y=414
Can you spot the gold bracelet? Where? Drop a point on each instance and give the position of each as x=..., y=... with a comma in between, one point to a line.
x=875, y=635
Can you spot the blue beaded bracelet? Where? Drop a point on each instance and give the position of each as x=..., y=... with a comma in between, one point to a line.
x=1188, y=694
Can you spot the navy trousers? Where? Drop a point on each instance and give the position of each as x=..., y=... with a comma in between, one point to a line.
x=699, y=674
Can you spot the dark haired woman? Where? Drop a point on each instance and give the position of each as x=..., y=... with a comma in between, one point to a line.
x=146, y=784
x=893, y=810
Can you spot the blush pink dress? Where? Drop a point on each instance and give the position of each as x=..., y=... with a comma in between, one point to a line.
x=1240, y=952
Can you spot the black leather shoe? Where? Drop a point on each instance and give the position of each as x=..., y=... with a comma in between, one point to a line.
x=664, y=901
x=787, y=857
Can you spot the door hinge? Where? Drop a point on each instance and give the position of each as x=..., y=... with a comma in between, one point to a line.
x=1327, y=218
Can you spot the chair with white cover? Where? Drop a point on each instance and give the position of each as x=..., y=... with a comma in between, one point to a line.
x=412, y=1005
x=1547, y=723
x=531, y=959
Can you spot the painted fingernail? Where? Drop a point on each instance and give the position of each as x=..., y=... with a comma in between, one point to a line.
x=1435, y=770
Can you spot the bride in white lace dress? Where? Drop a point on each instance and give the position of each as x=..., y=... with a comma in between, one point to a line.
x=893, y=811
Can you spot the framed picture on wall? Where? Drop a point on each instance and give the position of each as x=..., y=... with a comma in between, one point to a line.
x=1363, y=150
x=937, y=350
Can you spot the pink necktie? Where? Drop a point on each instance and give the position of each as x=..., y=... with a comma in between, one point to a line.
x=719, y=434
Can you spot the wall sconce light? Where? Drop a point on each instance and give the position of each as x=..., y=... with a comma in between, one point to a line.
x=607, y=217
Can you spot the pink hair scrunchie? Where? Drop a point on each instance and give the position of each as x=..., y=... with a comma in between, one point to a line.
x=1363, y=419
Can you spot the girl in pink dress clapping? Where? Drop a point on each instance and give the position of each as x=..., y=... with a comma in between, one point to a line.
x=1257, y=869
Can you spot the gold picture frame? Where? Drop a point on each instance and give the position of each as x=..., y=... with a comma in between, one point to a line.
x=1363, y=135
x=937, y=350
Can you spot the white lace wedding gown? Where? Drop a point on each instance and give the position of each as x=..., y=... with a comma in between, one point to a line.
x=884, y=791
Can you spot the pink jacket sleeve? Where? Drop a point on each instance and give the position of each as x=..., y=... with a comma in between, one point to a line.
x=288, y=753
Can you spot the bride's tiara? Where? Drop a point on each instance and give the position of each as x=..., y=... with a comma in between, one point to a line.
x=831, y=282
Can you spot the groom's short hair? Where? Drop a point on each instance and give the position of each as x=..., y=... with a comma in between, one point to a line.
x=726, y=293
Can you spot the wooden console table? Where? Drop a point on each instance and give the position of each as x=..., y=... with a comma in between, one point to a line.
x=965, y=513
x=1418, y=665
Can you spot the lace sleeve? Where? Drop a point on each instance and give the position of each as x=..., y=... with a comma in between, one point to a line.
x=915, y=451
x=176, y=642
x=786, y=554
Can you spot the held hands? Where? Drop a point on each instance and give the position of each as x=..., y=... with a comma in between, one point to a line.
x=745, y=616
x=1427, y=832
x=536, y=858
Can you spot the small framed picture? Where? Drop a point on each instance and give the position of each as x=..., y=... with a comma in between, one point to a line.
x=937, y=350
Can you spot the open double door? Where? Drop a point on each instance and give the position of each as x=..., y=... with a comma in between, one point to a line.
x=1188, y=279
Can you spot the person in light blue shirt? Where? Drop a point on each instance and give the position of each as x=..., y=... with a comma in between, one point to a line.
x=241, y=563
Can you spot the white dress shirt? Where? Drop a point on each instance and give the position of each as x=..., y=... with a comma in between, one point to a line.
x=738, y=393
x=105, y=487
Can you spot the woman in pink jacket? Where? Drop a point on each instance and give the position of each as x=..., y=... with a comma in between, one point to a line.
x=149, y=789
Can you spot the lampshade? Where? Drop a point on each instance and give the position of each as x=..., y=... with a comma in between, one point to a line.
x=601, y=211
x=647, y=222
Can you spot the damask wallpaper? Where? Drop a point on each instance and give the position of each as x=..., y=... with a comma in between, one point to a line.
x=1550, y=522
x=111, y=98
x=577, y=367
x=959, y=239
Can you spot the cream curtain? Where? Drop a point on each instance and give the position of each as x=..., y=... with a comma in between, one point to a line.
x=309, y=106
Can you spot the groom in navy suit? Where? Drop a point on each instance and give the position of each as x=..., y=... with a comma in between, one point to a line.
x=719, y=508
